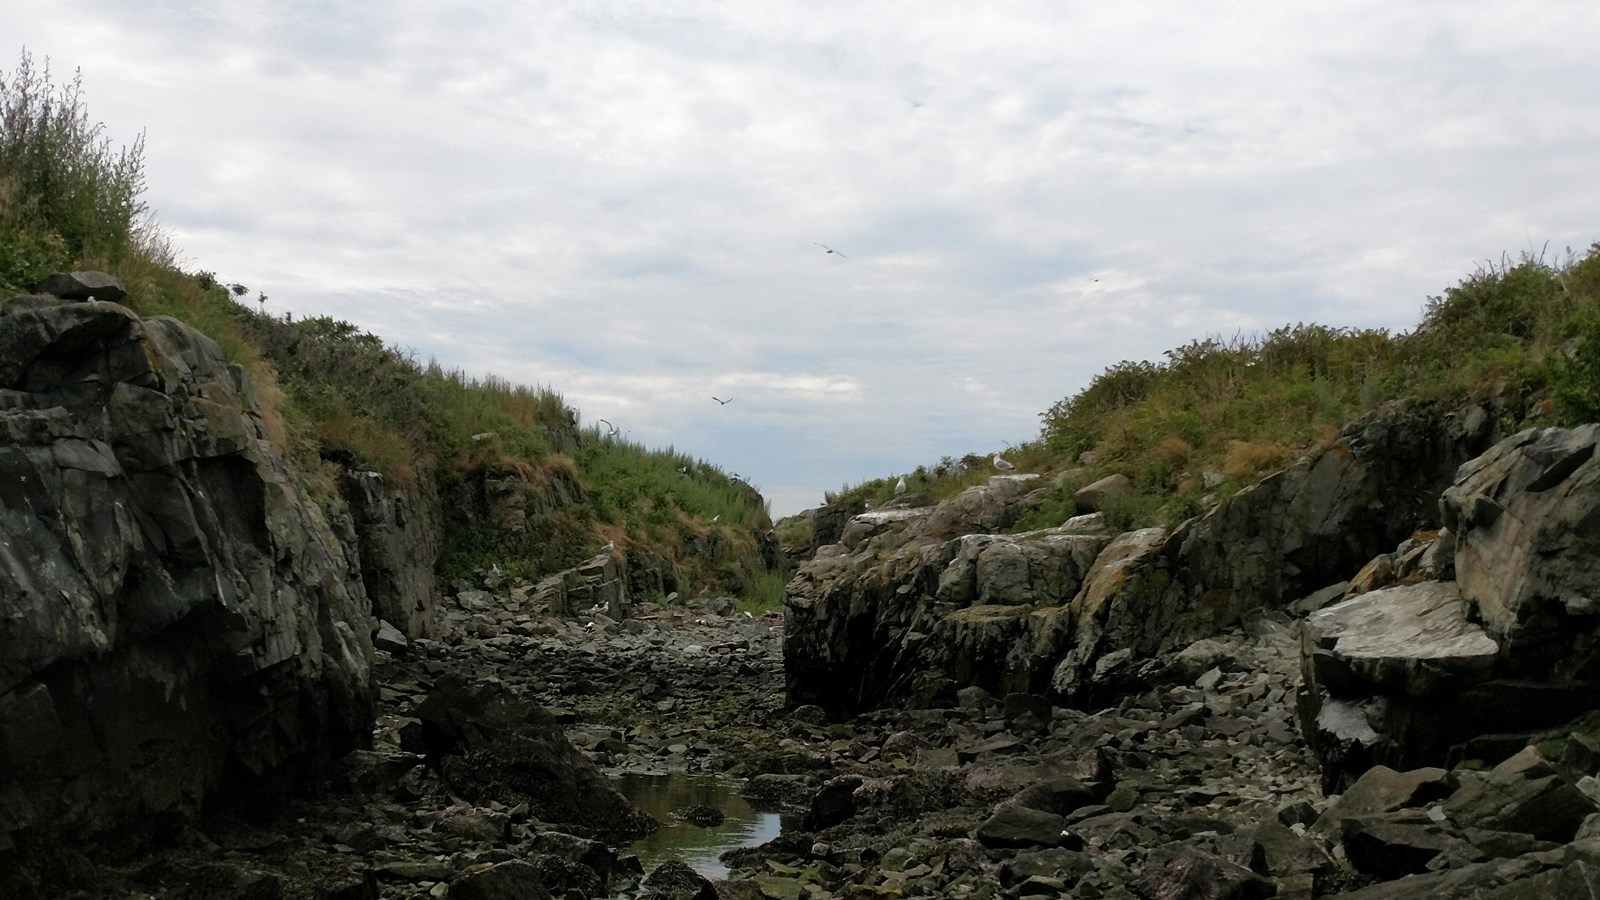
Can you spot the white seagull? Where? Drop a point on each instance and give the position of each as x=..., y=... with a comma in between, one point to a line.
x=900, y=486
x=611, y=430
x=1002, y=464
x=830, y=250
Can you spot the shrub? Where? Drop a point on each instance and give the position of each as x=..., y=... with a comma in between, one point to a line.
x=65, y=194
x=1575, y=382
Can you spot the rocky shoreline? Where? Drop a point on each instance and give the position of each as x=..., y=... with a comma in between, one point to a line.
x=931, y=802
x=1199, y=786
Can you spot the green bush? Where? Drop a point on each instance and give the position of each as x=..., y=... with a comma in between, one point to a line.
x=65, y=194
x=1575, y=381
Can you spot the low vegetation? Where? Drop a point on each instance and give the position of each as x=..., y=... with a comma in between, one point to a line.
x=1220, y=412
x=338, y=399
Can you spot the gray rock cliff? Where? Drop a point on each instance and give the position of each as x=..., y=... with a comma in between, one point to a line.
x=1420, y=674
x=178, y=621
x=916, y=600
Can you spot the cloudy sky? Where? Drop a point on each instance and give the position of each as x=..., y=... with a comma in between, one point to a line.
x=624, y=200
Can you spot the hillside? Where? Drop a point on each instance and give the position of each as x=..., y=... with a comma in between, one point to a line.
x=1214, y=415
x=528, y=485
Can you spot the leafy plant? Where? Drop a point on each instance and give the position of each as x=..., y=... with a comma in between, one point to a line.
x=65, y=194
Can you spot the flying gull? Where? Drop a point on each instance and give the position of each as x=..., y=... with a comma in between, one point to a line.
x=830, y=250
x=723, y=402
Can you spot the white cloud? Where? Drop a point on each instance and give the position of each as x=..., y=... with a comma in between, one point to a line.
x=619, y=199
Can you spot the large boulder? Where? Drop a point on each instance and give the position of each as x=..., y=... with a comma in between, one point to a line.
x=1527, y=519
x=1413, y=675
x=181, y=623
x=1413, y=645
x=491, y=745
x=916, y=602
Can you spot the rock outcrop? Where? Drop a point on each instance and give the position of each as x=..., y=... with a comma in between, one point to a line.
x=178, y=620
x=891, y=611
x=1424, y=673
x=397, y=530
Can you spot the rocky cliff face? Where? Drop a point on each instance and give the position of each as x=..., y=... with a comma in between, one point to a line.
x=397, y=535
x=176, y=617
x=1429, y=672
x=912, y=601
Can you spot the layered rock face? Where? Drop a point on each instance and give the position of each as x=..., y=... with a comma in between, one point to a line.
x=1412, y=674
x=915, y=600
x=175, y=615
x=397, y=535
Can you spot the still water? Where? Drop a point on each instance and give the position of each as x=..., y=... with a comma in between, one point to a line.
x=663, y=795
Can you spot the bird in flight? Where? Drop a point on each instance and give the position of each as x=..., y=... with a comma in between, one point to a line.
x=1003, y=465
x=611, y=430
x=830, y=249
x=723, y=402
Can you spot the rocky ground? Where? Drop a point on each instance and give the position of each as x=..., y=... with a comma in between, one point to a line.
x=999, y=796
x=1198, y=787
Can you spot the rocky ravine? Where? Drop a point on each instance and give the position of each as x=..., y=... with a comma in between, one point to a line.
x=1198, y=786
x=991, y=796
x=962, y=712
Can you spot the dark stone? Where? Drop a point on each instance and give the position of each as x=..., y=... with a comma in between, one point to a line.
x=510, y=880
x=1523, y=794
x=1382, y=790
x=833, y=803
x=1397, y=844
x=701, y=815
x=675, y=880
x=1019, y=826
x=1191, y=874
x=82, y=286
x=490, y=744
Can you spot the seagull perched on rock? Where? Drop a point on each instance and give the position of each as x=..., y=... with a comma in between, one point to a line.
x=900, y=486
x=1002, y=464
x=830, y=250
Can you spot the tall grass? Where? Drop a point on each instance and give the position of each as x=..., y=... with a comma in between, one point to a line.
x=65, y=193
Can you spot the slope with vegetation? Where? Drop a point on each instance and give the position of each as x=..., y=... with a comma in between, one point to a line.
x=1218, y=413
x=524, y=485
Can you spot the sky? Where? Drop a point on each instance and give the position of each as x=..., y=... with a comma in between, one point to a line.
x=631, y=202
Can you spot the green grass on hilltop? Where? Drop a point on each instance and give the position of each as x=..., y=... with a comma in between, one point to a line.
x=1220, y=412
x=337, y=398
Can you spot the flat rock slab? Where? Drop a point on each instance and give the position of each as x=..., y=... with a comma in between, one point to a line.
x=1413, y=639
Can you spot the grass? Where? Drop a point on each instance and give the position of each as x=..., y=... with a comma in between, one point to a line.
x=65, y=193
x=764, y=594
x=1220, y=412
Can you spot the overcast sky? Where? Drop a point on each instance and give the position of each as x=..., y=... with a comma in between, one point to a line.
x=624, y=200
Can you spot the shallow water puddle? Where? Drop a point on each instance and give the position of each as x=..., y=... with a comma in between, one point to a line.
x=664, y=795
